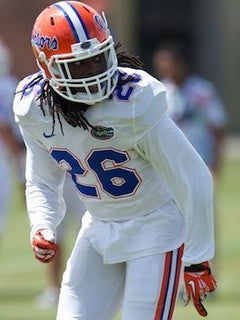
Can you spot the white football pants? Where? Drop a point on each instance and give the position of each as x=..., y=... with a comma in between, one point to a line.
x=143, y=289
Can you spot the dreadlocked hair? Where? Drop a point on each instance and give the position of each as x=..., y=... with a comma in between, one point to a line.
x=73, y=112
x=128, y=60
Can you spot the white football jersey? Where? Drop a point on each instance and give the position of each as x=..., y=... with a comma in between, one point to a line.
x=131, y=164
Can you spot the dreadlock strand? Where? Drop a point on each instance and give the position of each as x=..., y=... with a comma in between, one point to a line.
x=126, y=59
x=60, y=123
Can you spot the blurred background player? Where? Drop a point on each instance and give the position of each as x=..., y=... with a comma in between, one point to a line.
x=194, y=103
x=69, y=226
x=11, y=148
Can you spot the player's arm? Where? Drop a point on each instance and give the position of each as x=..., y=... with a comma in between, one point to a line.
x=44, y=179
x=189, y=180
x=45, y=204
x=191, y=185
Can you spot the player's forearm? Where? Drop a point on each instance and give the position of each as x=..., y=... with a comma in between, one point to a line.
x=46, y=207
x=200, y=244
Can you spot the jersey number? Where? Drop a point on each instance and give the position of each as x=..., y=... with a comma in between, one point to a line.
x=113, y=178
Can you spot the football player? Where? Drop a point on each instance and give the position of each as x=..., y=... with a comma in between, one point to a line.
x=93, y=112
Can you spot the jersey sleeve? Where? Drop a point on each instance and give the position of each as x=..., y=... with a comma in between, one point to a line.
x=44, y=187
x=190, y=183
x=44, y=178
x=144, y=109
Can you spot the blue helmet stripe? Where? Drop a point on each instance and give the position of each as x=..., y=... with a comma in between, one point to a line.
x=82, y=22
x=75, y=21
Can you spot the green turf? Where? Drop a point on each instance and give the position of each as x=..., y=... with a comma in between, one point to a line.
x=22, y=278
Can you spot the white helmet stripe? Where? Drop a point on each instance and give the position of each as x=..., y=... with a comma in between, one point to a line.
x=75, y=21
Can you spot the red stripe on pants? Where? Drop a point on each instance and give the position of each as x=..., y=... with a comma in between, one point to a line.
x=165, y=290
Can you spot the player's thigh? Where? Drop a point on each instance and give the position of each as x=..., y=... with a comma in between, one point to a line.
x=90, y=289
x=151, y=286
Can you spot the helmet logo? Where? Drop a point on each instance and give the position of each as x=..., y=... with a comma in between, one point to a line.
x=50, y=43
x=85, y=45
x=100, y=22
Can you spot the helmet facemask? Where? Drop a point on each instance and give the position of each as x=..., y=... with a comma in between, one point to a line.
x=88, y=89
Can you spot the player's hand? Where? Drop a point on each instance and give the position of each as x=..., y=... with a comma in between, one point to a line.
x=199, y=282
x=44, y=246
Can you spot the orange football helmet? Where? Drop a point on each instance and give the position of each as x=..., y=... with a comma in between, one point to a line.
x=66, y=34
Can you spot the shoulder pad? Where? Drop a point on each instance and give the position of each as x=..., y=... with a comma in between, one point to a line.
x=26, y=97
x=149, y=101
x=145, y=106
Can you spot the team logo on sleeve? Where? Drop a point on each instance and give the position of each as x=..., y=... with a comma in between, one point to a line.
x=102, y=133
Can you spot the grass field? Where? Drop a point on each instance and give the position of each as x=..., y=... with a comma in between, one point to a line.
x=22, y=278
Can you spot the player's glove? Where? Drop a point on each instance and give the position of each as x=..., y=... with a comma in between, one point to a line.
x=44, y=246
x=199, y=283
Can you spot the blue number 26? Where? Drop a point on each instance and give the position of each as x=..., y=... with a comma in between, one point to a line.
x=112, y=177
